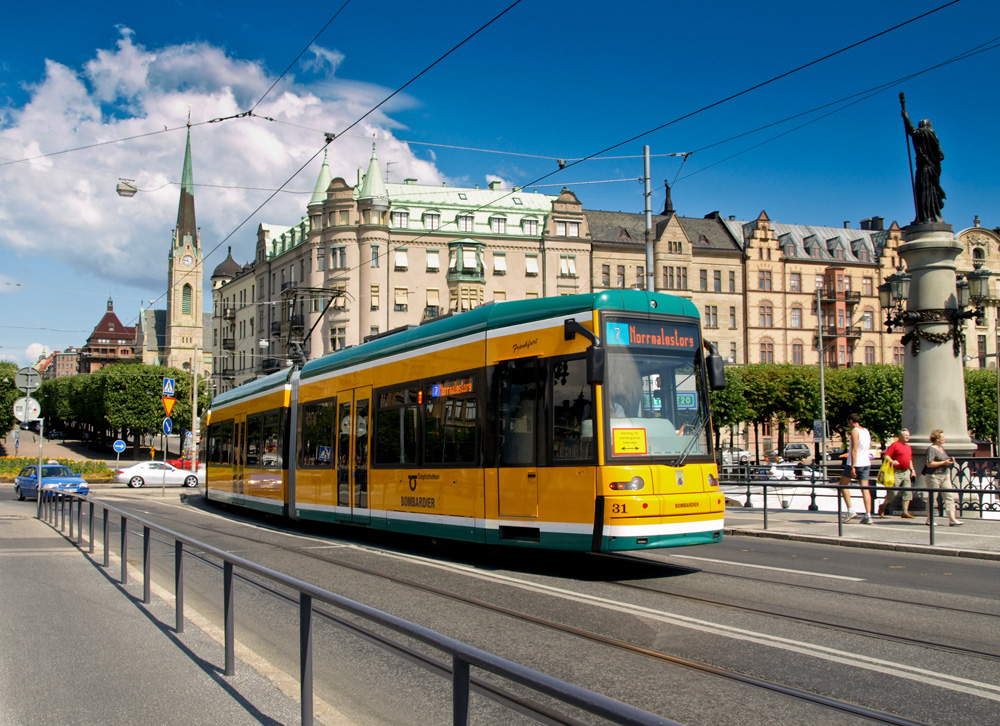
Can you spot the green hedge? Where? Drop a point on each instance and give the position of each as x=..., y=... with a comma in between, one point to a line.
x=12, y=465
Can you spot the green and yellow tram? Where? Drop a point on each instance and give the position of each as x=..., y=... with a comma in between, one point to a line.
x=576, y=423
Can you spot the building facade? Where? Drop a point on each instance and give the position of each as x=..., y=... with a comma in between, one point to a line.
x=111, y=342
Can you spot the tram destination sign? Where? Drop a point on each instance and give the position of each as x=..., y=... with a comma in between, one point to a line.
x=652, y=334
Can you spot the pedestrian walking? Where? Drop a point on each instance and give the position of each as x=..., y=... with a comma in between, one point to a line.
x=857, y=465
x=938, y=472
x=900, y=453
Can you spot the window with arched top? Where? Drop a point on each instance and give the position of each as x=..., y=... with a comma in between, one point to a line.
x=186, y=294
x=978, y=253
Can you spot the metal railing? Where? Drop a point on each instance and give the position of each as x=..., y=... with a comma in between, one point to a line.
x=976, y=486
x=53, y=506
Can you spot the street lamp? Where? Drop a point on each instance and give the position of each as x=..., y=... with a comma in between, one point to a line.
x=126, y=188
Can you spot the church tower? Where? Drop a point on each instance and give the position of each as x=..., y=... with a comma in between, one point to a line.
x=184, y=324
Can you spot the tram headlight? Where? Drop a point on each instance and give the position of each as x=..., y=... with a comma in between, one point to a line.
x=713, y=480
x=632, y=485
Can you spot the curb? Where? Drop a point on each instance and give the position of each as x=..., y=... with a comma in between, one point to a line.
x=866, y=544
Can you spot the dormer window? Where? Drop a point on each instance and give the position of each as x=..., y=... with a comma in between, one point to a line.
x=529, y=226
x=498, y=225
x=464, y=223
x=432, y=220
x=401, y=219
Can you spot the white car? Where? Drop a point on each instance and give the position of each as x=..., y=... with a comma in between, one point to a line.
x=158, y=472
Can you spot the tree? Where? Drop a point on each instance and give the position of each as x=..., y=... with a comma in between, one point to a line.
x=729, y=406
x=981, y=403
x=8, y=395
x=878, y=398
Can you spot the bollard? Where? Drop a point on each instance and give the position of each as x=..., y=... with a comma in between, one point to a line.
x=305, y=658
x=228, y=615
x=178, y=586
x=124, y=577
x=147, y=566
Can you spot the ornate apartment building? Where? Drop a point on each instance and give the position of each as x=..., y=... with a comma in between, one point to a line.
x=372, y=257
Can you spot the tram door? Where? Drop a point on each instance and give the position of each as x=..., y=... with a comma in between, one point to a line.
x=239, y=453
x=353, y=409
x=518, y=430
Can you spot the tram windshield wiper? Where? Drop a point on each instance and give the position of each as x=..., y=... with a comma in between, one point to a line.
x=695, y=437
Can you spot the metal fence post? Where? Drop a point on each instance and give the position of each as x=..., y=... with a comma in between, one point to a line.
x=62, y=513
x=107, y=539
x=178, y=586
x=229, y=612
x=70, y=504
x=90, y=528
x=764, y=490
x=124, y=577
x=305, y=658
x=147, y=565
x=459, y=691
x=79, y=521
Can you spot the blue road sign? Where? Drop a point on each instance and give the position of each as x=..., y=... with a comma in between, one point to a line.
x=119, y=446
x=168, y=426
x=168, y=387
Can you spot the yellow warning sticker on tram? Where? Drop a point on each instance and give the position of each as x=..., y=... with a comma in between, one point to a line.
x=629, y=441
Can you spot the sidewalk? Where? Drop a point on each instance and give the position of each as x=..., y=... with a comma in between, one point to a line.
x=76, y=649
x=74, y=449
x=978, y=538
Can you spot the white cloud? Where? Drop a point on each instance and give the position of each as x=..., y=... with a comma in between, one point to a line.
x=65, y=207
x=35, y=351
x=323, y=58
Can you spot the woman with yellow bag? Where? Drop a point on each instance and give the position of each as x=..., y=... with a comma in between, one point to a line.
x=899, y=456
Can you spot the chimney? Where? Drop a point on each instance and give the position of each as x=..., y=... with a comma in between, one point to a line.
x=495, y=186
x=732, y=217
x=847, y=224
x=409, y=181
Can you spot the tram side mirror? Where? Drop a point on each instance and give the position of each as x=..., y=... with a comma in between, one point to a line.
x=716, y=372
x=596, y=356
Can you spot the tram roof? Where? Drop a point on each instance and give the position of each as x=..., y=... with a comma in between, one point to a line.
x=494, y=316
x=274, y=380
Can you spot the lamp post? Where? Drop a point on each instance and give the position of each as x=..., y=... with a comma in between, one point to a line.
x=930, y=304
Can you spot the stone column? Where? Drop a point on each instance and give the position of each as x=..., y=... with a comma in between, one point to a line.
x=933, y=380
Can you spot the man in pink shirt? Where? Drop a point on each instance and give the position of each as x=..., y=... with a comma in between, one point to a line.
x=901, y=456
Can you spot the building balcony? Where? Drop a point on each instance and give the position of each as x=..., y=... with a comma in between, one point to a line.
x=286, y=285
x=831, y=331
x=275, y=328
x=229, y=314
x=229, y=343
x=829, y=295
x=298, y=322
x=270, y=365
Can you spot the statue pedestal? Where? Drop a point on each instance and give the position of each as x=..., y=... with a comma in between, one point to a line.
x=933, y=379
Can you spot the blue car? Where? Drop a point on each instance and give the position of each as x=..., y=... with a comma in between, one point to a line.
x=54, y=476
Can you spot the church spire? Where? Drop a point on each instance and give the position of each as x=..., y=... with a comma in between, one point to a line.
x=186, y=225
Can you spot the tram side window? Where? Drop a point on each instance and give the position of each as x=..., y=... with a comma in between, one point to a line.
x=396, y=427
x=517, y=383
x=271, y=440
x=221, y=443
x=451, y=422
x=316, y=434
x=572, y=412
x=254, y=424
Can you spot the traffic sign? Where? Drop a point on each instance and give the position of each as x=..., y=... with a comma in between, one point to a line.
x=168, y=405
x=168, y=426
x=28, y=380
x=26, y=409
x=119, y=446
x=168, y=387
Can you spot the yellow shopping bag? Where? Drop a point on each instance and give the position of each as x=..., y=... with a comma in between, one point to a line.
x=886, y=475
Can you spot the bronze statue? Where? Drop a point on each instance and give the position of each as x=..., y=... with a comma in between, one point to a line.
x=928, y=196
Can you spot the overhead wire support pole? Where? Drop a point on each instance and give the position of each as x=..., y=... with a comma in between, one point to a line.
x=648, y=194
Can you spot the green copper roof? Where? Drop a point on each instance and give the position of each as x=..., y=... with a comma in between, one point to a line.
x=373, y=186
x=186, y=225
x=322, y=183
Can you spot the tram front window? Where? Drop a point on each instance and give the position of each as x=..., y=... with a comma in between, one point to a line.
x=655, y=405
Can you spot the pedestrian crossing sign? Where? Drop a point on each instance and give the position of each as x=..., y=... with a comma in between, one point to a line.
x=168, y=388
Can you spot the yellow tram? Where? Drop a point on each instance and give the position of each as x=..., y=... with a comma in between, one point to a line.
x=578, y=422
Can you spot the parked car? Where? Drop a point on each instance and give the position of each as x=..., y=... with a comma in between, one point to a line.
x=733, y=457
x=185, y=462
x=157, y=472
x=54, y=476
x=55, y=434
x=797, y=452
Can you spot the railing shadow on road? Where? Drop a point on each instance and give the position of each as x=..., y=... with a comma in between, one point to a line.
x=976, y=483
x=57, y=509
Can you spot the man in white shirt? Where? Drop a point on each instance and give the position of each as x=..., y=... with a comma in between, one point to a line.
x=857, y=465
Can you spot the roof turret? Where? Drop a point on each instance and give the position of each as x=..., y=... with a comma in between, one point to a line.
x=319, y=192
x=373, y=193
x=228, y=267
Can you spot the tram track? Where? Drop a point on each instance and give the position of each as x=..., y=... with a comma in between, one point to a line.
x=705, y=668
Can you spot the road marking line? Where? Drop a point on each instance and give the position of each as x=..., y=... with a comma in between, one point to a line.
x=766, y=567
x=901, y=670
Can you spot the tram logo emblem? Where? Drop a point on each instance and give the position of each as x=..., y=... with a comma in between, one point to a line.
x=413, y=482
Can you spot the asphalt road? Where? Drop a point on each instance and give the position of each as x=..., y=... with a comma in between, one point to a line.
x=913, y=636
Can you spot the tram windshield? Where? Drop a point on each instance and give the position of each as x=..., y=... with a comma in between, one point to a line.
x=655, y=400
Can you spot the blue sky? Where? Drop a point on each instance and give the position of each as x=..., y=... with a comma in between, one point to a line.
x=546, y=81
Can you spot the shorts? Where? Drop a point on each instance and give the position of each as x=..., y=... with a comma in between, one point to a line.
x=861, y=474
x=903, y=484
